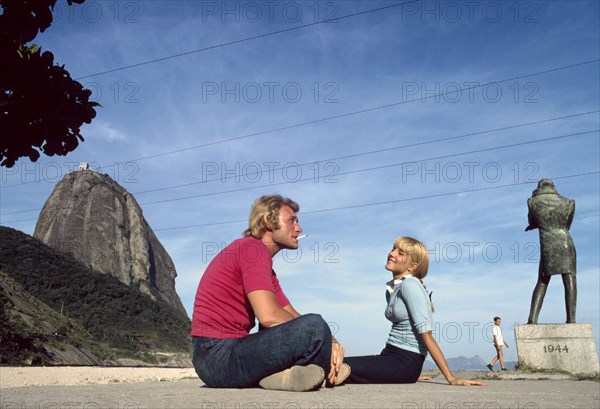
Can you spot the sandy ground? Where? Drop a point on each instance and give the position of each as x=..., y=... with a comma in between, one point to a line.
x=14, y=377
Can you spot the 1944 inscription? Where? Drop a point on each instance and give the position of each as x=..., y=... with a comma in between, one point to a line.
x=557, y=348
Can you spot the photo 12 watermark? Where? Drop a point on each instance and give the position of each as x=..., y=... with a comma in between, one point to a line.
x=487, y=252
x=123, y=12
x=471, y=332
x=254, y=12
x=253, y=92
x=518, y=12
x=53, y=172
x=124, y=92
x=267, y=405
x=470, y=405
x=469, y=172
x=65, y=404
x=269, y=172
x=453, y=92
x=312, y=252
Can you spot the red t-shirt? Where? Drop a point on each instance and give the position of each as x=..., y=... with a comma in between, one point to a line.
x=221, y=308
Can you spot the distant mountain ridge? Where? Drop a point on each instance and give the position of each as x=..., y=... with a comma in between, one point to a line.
x=58, y=300
x=92, y=217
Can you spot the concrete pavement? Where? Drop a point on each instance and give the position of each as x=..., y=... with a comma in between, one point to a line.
x=515, y=393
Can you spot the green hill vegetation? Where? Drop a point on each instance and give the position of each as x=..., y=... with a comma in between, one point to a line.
x=34, y=333
x=120, y=318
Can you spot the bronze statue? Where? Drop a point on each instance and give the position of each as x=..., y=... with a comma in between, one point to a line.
x=553, y=214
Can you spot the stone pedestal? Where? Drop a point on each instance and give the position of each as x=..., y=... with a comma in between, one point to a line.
x=563, y=347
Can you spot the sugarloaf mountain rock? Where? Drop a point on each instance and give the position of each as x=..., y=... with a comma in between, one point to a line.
x=101, y=224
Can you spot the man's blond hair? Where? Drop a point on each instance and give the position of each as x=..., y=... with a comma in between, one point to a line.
x=264, y=214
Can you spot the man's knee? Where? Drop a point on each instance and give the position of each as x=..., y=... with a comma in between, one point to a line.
x=316, y=326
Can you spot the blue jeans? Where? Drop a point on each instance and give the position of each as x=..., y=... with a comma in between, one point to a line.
x=243, y=362
x=393, y=365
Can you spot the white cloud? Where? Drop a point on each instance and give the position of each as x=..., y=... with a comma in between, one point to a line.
x=100, y=129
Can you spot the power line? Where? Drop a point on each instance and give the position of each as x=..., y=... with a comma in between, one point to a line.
x=343, y=115
x=362, y=111
x=349, y=156
x=243, y=40
x=444, y=194
x=20, y=221
x=369, y=169
x=363, y=170
x=387, y=201
x=381, y=150
x=374, y=168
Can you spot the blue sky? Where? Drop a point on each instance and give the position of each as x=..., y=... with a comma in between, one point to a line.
x=428, y=119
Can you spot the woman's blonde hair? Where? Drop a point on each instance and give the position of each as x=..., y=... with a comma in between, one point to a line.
x=419, y=255
x=265, y=214
x=417, y=252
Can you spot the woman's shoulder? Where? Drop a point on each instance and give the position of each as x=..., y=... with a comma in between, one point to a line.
x=411, y=284
x=412, y=281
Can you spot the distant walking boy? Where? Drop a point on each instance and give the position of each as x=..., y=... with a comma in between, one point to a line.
x=498, y=342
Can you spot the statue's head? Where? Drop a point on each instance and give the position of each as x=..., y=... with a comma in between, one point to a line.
x=544, y=187
x=545, y=183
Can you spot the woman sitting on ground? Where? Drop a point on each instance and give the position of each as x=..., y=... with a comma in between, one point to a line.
x=410, y=311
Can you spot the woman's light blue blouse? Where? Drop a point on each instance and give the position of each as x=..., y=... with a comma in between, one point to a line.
x=409, y=310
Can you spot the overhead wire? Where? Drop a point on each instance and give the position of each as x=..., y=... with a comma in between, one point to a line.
x=347, y=114
x=387, y=149
x=366, y=169
x=362, y=111
x=321, y=119
x=243, y=40
x=351, y=156
x=432, y=196
x=377, y=167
